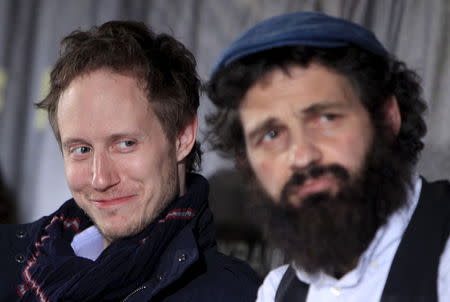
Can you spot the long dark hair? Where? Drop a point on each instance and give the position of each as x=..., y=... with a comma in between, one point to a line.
x=374, y=78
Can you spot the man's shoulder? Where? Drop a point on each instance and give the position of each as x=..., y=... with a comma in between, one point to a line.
x=277, y=274
x=29, y=227
x=441, y=186
x=15, y=241
x=28, y=230
x=235, y=265
x=212, y=276
x=21, y=230
x=234, y=275
x=217, y=277
x=270, y=285
x=437, y=192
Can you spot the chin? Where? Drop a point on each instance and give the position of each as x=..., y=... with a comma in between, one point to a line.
x=116, y=229
x=114, y=234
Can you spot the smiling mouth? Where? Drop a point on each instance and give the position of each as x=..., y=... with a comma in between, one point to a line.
x=101, y=203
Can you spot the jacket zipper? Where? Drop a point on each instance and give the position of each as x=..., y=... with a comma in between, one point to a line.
x=134, y=292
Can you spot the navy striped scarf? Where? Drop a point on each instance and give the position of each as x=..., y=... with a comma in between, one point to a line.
x=54, y=273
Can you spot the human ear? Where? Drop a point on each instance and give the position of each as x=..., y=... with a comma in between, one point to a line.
x=392, y=115
x=186, y=139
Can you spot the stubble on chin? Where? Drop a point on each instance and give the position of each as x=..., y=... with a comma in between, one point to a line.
x=135, y=221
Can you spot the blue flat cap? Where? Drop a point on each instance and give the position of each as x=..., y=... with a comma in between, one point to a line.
x=300, y=28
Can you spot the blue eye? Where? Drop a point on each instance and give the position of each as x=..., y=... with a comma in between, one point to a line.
x=328, y=117
x=126, y=144
x=270, y=135
x=81, y=150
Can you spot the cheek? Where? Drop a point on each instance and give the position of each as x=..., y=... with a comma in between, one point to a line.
x=271, y=173
x=263, y=169
x=77, y=175
x=354, y=149
x=142, y=167
x=135, y=168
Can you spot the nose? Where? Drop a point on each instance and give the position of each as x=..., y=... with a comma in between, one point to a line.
x=104, y=174
x=304, y=152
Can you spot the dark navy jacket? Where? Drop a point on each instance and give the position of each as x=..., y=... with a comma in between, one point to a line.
x=185, y=272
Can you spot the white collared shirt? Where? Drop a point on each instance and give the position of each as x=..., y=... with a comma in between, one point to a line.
x=365, y=282
x=88, y=243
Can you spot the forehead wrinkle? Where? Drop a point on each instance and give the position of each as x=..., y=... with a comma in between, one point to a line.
x=322, y=106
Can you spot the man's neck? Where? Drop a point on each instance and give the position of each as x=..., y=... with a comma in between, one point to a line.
x=182, y=178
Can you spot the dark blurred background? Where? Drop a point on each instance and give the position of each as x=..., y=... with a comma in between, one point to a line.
x=31, y=168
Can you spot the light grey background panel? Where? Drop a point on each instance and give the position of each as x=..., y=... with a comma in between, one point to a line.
x=417, y=31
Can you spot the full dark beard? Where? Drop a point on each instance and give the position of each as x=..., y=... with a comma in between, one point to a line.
x=329, y=233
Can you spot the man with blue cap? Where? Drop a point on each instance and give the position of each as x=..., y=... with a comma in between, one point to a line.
x=328, y=127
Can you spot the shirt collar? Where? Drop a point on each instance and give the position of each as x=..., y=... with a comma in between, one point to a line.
x=88, y=243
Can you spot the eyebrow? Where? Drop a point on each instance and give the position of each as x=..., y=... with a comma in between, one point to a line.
x=322, y=106
x=73, y=141
x=119, y=136
x=270, y=122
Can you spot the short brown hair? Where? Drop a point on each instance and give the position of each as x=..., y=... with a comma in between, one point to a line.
x=160, y=62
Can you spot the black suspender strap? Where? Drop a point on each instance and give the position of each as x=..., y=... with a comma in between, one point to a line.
x=414, y=270
x=291, y=289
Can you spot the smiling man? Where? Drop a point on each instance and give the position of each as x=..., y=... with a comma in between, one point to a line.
x=328, y=126
x=120, y=167
x=123, y=106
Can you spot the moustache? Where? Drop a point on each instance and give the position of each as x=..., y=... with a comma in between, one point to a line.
x=299, y=177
